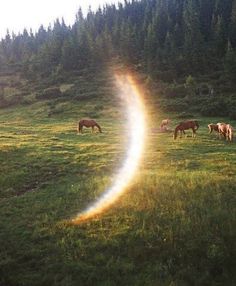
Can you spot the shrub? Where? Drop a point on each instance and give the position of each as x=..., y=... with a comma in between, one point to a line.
x=232, y=114
x=232, y=109
x=204, y=89
x=230, y=64
x=216, y=107
x=175, y=91
x=185, y=115
x=190, y=85
x=29, y=99
x=50, y=93
x=166, y=76
x=174, y=105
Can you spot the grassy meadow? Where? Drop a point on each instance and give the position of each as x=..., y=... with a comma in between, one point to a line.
x=175, y=225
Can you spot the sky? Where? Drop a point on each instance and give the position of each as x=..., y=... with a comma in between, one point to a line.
x=16, y=15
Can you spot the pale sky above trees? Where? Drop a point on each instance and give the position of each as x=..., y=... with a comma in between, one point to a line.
x=16, y=15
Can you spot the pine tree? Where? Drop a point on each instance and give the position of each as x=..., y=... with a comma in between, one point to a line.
x=193, y=40
x=68, y=54
x=220, y=37
x=233, y=25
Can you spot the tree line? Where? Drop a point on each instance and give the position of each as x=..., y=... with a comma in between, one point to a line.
x=171, y=37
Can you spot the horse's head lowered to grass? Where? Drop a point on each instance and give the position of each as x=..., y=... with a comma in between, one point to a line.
x=88, y=123
x=190, y=124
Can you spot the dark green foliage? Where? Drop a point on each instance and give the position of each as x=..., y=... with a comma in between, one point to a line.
x=230, y=64
x=232, y=107
x=215, y=107
x=185, y=115
x=50, y=93
x=175, y=105
x=175, y=90
x=189, y=44
x=170, y=38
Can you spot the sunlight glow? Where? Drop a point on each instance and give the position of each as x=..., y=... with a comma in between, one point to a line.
x=131, y=95
x=17, y=15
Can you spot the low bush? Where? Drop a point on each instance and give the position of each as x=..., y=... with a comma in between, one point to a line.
x=215, y=107
x=49, y=93
x=175, y=91
x=185, y=115
x=175, y=105
x=29, y=99
x=166, y=76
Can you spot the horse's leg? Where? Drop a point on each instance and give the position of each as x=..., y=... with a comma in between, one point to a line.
x=92, y=129
x=80, y=128
x=228, y=137
x=182, y=133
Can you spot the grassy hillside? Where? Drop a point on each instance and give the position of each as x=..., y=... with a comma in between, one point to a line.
x=174, y=226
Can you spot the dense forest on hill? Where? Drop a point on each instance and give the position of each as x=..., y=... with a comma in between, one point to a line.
x=176, y=41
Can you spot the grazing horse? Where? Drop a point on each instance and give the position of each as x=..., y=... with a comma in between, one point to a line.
x=164, y=124
x=222, y=127
x=212, y=127
x=191, y=124
x=226, y=130
x=88, y=123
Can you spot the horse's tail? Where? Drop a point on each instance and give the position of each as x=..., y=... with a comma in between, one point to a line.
x=176, y=131
x=99, y=127
x=196, y=124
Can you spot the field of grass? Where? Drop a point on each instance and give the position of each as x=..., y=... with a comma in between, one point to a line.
x=174, y=226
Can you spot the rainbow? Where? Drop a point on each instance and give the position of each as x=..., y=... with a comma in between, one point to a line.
x=131, y=95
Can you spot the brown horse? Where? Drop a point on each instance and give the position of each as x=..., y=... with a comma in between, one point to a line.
x=226, y=130
x=191, y=124
x=222, y=127
x=88, y=123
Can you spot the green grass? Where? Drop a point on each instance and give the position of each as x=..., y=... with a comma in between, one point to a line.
x=174, y=226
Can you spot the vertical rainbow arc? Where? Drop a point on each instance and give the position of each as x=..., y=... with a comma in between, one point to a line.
x=131, y=96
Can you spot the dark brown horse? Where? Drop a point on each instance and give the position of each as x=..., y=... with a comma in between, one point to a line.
x=88, y=123
x=191, y=124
